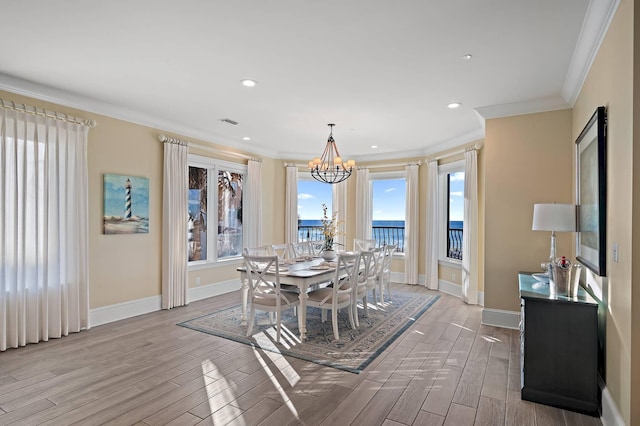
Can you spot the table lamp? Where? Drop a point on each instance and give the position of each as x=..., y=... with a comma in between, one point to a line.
x=555, y=218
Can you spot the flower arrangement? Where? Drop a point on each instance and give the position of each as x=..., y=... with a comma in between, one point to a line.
x=329, y=228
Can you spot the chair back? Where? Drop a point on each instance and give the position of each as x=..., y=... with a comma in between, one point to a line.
x=283, y=251
x=316, y=247
x=366, y=271
x=360, y=244
x=301, y=249
x=346, y=277
x=259, y=251
x=387, y=257
x=263, y=274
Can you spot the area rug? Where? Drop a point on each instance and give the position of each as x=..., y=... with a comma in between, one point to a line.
x=353, y=352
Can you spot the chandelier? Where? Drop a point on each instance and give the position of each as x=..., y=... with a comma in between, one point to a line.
x=329, y=168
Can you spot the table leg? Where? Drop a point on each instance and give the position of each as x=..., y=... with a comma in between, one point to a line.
x=302, y=314
x=244, y=290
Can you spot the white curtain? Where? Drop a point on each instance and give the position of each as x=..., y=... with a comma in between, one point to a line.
x=432, y=226
x=363, y=204
x=340, y=206
x=253, y=205
x=175, y=187
x=44, y=277
x=291, y=205
x=470, y=228
x=411, y=226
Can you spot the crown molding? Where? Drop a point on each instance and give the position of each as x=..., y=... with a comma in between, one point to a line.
x=594, y=28
x=526, y=107
x=48, y=94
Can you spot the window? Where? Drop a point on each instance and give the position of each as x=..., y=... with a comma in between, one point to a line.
x=311, y=195
x=388, y=201
x=451, y=216
x=207, y=242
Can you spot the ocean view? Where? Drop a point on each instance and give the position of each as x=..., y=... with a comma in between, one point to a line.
x=454, y=224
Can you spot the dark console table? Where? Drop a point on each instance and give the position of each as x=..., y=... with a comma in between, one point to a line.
x=559, y=348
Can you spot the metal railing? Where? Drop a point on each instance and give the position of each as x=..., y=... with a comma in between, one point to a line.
x=382, y=234
x=454, y=243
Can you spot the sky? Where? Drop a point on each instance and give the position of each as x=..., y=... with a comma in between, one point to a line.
x=388, y=198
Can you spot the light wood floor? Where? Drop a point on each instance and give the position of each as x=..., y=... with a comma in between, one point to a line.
x=446, y=369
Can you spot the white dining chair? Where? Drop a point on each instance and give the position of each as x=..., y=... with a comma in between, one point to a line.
x=317, y=246
x=366, y=281
x=259, y=251
x=340, y=295
x=283, y=251
x=301, y=249
x=360, y=244
x=265, y=293
x=383, y=275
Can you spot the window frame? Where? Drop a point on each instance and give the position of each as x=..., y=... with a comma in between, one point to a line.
x=445, y=170
x=389, y=175
x=213, y=166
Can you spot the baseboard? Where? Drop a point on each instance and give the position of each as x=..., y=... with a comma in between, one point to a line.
x=501, y=318
x=132, y=308
x=215, y=289
x=119, y=311
x=456, y=290
x=610, y=414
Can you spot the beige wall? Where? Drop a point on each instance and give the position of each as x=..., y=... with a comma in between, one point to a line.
x=527, y=160
x=610, y=83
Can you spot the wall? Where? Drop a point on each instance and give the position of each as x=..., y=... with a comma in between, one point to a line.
x=610, y=83
x=125, y=268
x=527, y=160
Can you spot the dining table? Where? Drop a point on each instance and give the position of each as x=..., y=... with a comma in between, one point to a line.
x=303, y=273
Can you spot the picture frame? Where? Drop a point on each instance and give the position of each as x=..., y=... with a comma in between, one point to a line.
x=591, y=193
x=125, y=204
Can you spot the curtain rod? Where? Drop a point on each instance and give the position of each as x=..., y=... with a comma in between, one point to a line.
x=165, y=138
x=49, y=114
x=460, y=150
x=382, y=166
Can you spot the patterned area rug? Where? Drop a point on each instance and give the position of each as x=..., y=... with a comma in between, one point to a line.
x=353, y=352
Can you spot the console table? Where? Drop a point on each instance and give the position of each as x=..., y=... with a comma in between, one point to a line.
x=559, y=348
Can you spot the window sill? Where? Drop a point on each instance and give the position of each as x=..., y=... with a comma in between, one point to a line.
x=450, y=263
x=209, y=264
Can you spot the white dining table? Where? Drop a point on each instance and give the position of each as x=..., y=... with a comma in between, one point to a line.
x=298, y=274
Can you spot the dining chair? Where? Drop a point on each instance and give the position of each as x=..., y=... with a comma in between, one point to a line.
x=340, y=295
x=360, y=244
x=383, y=275
x=317, y=246
x=259, y=251
x=366, y=281
x=283, y=251
x=301, y=249
x=265, y=293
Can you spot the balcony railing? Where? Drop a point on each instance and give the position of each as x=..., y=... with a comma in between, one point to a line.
x=454, y=243
x=382, y=234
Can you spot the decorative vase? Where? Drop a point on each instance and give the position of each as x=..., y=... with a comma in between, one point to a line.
x=329, y=255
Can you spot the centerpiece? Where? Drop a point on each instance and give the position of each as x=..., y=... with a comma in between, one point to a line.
x=329, y=230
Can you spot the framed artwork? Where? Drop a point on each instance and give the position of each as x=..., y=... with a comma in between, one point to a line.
x=126, y=204
x=591, y=193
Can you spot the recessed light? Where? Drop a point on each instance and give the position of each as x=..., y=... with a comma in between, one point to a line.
x=249, y=83
x=454, y=105
x=466, y=57
x=374, y=146
x=246, y=138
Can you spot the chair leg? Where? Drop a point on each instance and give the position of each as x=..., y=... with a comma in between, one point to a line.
x=251, y=320
x=366, y=305
x=323, y=315
x=353, y=325
x=354, y=309
x=278, y=321
x=334, y=322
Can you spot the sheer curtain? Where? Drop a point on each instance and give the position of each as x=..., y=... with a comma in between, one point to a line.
x=432, y=225
x=44, y=278
x=175, y=186
x=411, y=225
x=340, y=206
x=253, y=203
x=470, y=228
x=363, y=204
x=291, y=205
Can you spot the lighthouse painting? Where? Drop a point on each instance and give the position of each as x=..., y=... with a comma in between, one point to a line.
x=126, y=204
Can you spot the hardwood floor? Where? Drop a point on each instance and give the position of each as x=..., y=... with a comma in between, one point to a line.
x=447, y=369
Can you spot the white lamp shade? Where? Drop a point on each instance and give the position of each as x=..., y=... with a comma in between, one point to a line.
x=554, y=217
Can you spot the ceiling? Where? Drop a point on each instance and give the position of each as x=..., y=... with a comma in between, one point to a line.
x=382, y=71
